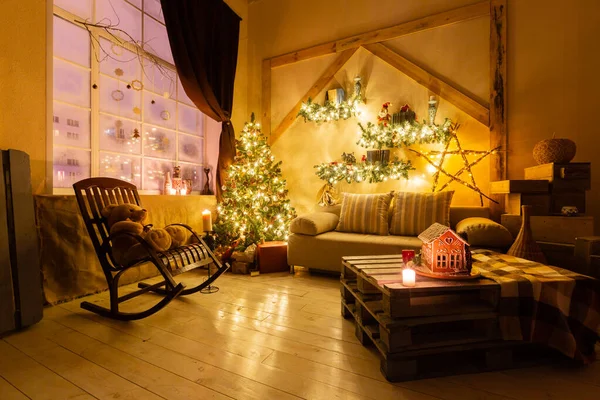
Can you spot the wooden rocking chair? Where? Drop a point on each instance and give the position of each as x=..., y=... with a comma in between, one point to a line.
x=96, y=193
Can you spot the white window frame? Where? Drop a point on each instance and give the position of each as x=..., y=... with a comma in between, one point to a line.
x=95, y=103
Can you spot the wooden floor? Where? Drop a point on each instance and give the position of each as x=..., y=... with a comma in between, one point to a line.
x=274, y=336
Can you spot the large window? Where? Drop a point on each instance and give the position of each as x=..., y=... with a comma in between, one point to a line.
x=119, y=108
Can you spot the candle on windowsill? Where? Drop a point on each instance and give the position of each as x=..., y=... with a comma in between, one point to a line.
x=408, y=277
x=172, y=191
x=206, y=221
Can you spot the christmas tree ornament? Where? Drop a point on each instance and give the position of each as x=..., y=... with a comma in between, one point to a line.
x=152, y=101
x=165, y=115
x=166, y=95
x=136, y=134
x=119, y=72
x=255, y=206
x=137, y=110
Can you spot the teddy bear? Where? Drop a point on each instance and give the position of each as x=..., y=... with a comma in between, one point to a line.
x=130, y=218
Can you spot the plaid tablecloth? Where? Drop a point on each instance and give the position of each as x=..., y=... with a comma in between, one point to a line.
x=544, y=304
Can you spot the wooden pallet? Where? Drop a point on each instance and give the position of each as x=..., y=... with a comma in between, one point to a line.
x=380, y=276
x=403, y=334
x=436, y=328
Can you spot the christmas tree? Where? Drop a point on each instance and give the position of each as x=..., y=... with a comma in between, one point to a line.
x=255, y=206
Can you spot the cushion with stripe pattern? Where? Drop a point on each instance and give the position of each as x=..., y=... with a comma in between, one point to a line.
x=365, y=213
x=415, y=212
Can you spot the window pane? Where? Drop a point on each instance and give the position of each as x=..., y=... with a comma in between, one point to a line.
x=181, y=96
x=71, y=42
x=161, y=113
x=159, y=79
x=154, y=173
x=159, y=142
x=190, y=120
x=110, y=90
x=156, y=40
x=70, y=166
x=137, y=3
x=81, y=8
x=153, y=7
x=71, y=125
x=124, y=167
x=71, y=83
x=115, y=61
x=194, y=174
x=190, y=149
x=117, y=135
x=123, y=16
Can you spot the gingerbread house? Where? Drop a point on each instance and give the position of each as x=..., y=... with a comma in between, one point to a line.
x=444, y=252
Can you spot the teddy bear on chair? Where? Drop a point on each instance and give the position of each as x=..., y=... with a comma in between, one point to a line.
x=130, y=218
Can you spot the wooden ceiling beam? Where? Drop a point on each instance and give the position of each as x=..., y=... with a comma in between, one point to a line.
x=380, y=35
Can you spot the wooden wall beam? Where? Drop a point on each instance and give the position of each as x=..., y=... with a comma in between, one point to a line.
x=462, y=101
x=266, y=97
x=304, y=54
x=421, y=24
x=433, y=21
x=312, y=92
x=498, y=97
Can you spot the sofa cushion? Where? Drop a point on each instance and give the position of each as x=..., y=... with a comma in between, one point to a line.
x=415, y=212
x=484, y=232
x=365, y=213
x=314, y=223
x=325, y=251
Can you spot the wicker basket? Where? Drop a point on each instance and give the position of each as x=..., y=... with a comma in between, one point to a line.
x=560, y=151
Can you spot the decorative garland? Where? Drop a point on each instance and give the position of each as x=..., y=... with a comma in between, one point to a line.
x=403, y=134
x=363, y=171
x=331, y=111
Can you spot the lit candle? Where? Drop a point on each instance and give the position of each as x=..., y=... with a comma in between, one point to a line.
x=408, y=277
x=206, y=221
x=172, y=191
x=183, y=192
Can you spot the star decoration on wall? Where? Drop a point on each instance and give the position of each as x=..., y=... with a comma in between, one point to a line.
x=436, y=160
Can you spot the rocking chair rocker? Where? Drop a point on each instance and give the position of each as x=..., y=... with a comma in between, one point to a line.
x=93, y=195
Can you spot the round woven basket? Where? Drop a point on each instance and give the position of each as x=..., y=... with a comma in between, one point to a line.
x=559, y=151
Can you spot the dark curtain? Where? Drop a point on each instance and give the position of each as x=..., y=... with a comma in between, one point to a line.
x=204, y=38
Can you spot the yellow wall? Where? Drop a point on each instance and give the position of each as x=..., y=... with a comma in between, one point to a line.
x=552, y=77
x=23, y=116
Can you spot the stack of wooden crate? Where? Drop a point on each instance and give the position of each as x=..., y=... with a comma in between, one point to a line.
x=440, y=327
x=548, y=188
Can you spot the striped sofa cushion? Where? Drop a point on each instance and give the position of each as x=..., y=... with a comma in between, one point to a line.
x=365, y=213
x=415, y=212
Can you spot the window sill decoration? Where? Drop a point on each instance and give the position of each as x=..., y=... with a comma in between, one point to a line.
x=335, y=107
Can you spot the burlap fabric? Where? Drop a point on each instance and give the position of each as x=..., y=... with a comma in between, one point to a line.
x=69, y=264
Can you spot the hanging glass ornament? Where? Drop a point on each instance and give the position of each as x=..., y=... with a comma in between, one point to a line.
x=165, y=115
x=119, y=72
x=137, y=85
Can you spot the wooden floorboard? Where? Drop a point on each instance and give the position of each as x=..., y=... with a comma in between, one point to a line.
x=275, y=336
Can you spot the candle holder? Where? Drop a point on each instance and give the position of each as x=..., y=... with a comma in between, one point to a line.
x=209, y=241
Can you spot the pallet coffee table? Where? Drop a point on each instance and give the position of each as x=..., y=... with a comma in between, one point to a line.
x=436, y=328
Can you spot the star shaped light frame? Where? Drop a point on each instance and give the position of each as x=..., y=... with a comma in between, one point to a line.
x=467, y=165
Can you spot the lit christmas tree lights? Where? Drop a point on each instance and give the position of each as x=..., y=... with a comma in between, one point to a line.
x=255, y=206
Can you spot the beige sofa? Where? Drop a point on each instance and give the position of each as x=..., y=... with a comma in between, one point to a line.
x=315, y=244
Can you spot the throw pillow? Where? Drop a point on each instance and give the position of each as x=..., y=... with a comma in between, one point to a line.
x=415, y=212
x=314, y=223
x=484, y=232
x=365, y=213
